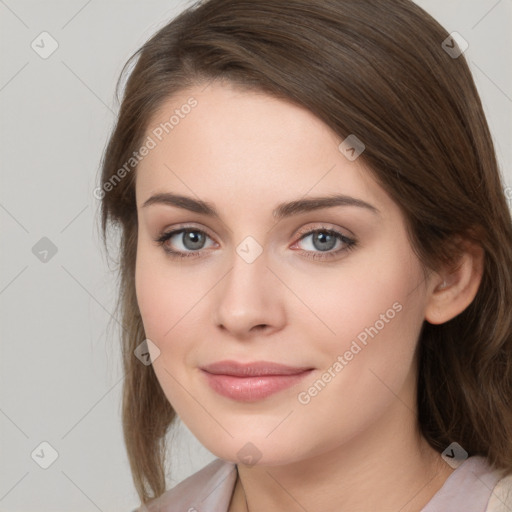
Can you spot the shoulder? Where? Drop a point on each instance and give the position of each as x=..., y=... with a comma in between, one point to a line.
x=208, y=490
x=501, y=496
x=474, y=486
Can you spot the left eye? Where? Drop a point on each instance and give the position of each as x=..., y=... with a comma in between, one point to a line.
x=322, y=240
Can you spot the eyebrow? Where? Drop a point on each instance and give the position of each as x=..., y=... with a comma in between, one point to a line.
x=283, y=210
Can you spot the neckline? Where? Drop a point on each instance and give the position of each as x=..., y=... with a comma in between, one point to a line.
x=474, y=474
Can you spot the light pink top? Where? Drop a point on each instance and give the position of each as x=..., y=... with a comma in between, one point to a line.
x=472, y=487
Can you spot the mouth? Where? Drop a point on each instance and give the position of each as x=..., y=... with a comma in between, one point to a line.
x=249, y=382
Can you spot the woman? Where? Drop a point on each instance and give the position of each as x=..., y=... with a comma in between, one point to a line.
x=315, y=262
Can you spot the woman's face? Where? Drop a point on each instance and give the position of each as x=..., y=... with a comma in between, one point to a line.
x=248, y=284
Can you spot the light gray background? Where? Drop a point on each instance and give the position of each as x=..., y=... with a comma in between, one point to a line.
x=60, y=370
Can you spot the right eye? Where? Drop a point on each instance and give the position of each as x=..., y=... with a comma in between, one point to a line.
x=189, y=242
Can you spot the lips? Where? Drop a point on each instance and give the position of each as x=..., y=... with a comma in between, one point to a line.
x=250, y=382
x=254, y=369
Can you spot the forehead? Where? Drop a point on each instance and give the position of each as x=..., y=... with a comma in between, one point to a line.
x=234, y=141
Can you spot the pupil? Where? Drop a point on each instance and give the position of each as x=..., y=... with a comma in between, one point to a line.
x=193, y=240
x=324, y=238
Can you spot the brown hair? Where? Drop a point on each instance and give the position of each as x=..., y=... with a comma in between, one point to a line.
x=377, y=70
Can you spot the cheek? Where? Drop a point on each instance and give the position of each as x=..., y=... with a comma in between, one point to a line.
x=371, y=318
x=173, y=305
x=368, y=362
x=164, y=294
x=375, y=298
x=149, y=294
x=163, y=308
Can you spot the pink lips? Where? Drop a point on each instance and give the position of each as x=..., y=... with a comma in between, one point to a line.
x=252, y=381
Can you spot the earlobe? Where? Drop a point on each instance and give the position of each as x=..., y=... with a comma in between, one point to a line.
x=452, y=292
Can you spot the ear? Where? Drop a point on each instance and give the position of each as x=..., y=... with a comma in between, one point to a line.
x=452, y=291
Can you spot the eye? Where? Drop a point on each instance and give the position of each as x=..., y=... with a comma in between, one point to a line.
x=189, y=241
x=323, y=241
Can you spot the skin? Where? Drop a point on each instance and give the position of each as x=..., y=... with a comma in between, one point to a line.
x=355, y=446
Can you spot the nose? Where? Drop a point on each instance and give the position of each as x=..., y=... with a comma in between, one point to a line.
x=248, y=300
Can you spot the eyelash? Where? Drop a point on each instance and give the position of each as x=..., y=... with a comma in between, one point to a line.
x=350, y=243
